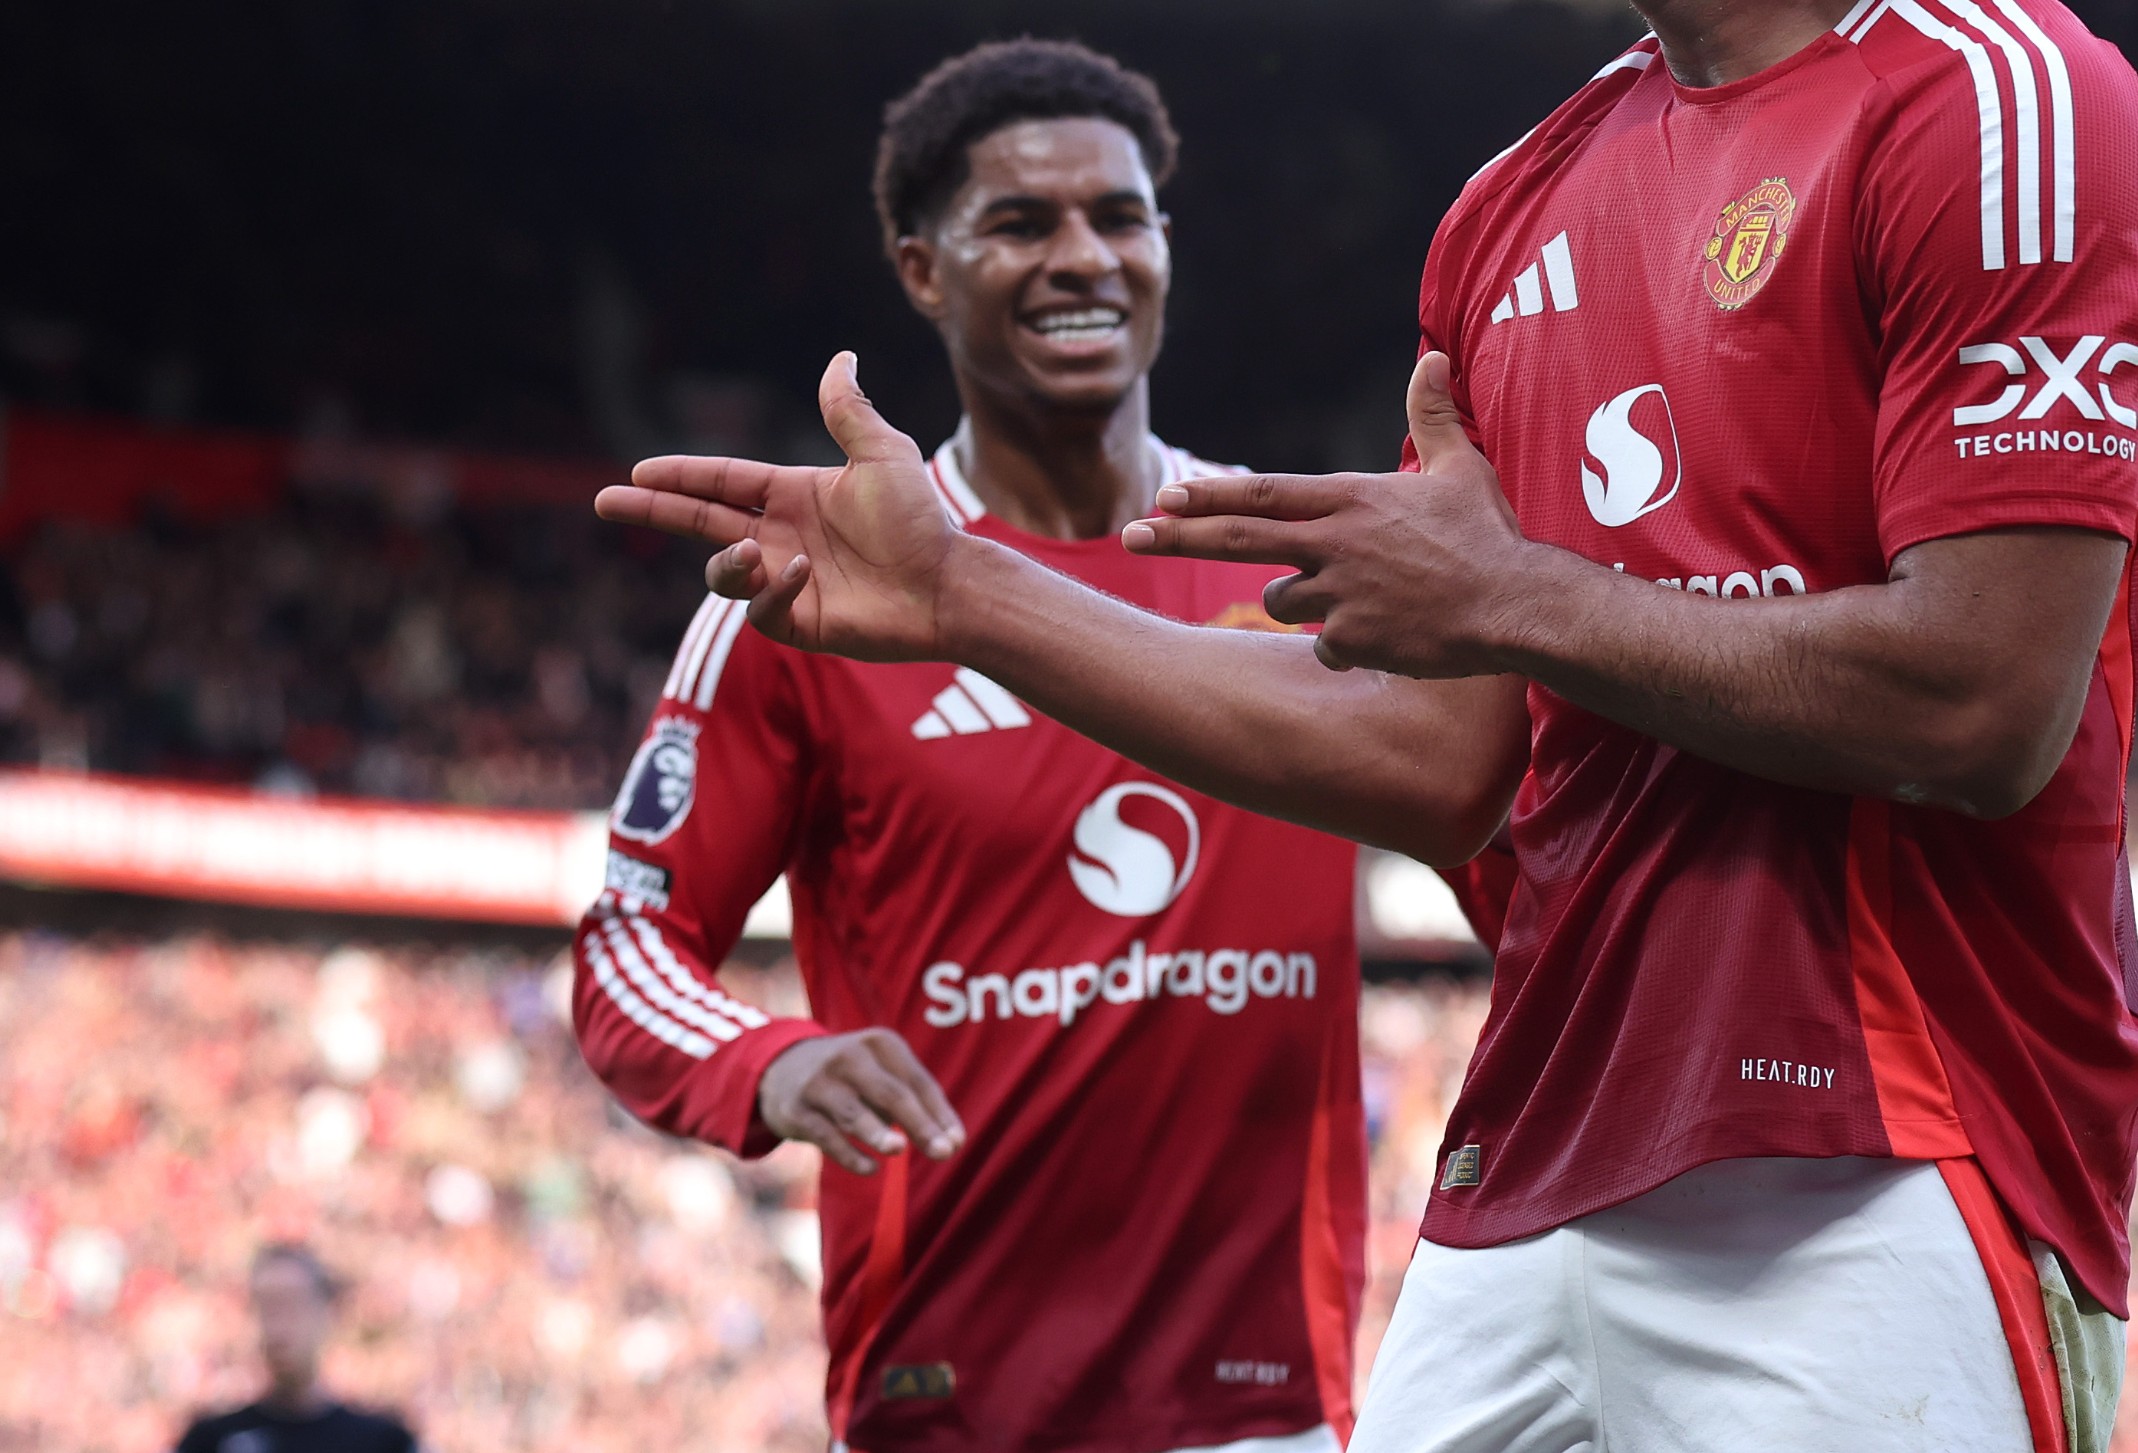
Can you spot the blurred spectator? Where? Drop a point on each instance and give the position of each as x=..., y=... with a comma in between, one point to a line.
x=293, y=1297
x=349, y=642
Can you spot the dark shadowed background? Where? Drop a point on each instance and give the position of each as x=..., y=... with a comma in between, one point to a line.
x=601, y=229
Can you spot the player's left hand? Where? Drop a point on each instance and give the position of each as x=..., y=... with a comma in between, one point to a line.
x=1413, y=574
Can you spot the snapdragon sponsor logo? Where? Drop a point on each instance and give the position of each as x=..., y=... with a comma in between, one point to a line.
x=1633, y=444
x=1224, y=979
x=1128, y=871
x=2043, y=391
x=1737, y=584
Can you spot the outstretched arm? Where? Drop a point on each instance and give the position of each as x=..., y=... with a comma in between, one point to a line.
x=1426, y=768
x=1957, y=682
x=861, y=561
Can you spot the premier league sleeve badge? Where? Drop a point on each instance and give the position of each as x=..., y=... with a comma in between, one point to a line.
x=661, y=784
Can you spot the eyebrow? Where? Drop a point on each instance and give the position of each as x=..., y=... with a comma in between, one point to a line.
x=1020, y=202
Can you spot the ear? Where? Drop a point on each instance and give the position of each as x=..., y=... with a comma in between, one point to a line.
x=1165, y=228
x=919, y=272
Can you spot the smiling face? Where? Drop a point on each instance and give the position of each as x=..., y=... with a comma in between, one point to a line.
x=1047, y=272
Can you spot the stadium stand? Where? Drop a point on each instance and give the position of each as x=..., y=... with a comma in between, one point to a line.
x=526, y=1266
x=325, y=620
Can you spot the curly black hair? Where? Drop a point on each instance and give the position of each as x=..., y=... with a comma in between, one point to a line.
x=922, y=157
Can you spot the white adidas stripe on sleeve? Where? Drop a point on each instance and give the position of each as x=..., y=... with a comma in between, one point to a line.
x=661, y=996
x=1981, y=41
x=1850, y=21
x=690, y=651
x=716, y=659
x=2063, y=127
x=1991, y=110
x=688, y=984
x=2026, y=118
x=637, y=1010
x=703, y=656
x=642, y=976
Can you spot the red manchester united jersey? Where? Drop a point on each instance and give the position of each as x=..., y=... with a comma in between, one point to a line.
x=1142, y=1002
x=1752, y=341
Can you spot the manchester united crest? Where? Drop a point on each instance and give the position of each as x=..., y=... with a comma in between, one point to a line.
x=1750, y=237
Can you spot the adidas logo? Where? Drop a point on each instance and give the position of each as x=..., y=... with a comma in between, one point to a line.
x=969, y=705
x=1527, y=299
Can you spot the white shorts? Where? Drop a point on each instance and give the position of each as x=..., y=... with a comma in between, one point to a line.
x=1819, y=1306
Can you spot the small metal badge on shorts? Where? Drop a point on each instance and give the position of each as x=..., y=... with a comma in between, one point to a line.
x=929, y=1380
x=1466, y=1167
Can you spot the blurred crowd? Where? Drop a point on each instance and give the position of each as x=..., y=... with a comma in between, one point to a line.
x=401, y=646
x=528, y=1270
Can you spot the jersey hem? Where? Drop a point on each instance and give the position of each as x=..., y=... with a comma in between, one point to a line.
x=1171, y=1437
x=1446, y=1224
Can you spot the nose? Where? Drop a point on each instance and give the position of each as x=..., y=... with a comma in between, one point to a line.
x=1079, y=256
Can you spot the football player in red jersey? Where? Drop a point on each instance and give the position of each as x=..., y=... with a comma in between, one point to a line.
x=1119, y=1018
x=1776, y=413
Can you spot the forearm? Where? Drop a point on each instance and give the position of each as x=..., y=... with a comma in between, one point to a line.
x=1425, y=768
x=1876, y=690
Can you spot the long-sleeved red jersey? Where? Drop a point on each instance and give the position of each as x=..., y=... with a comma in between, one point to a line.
x=1142, y=1002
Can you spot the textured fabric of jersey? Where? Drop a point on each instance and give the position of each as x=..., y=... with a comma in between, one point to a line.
x=1143, y=1004
x=1758, y=340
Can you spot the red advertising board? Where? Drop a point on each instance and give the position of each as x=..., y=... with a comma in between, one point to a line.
x=179, y=841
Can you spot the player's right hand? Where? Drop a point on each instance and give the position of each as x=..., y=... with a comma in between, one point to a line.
x=842, y=1091
x=847, y=560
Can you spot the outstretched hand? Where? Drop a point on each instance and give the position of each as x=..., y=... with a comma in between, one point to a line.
x=1411, y=574
x=846, y=560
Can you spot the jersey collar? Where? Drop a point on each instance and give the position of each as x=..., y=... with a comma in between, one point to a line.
x=963, y=504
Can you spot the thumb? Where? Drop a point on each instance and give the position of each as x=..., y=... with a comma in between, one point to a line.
x=853, y=420
x=1435, y=423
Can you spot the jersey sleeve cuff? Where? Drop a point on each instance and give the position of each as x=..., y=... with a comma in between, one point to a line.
x=1904, y=529
x=729, y=1083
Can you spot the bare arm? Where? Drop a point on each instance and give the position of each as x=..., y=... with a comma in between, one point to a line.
x=1423, y=768
x=861, y=561
x=1957, y=682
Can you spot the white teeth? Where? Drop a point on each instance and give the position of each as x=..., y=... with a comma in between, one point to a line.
x=1086, y=325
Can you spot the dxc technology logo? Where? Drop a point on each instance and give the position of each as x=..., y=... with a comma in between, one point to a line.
x=1635, y=449
x=1125, y=870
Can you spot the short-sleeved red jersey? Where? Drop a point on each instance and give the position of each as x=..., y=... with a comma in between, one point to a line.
x=1757, y=340
x=1142, y=1002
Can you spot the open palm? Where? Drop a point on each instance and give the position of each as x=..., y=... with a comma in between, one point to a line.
x=845, y=560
